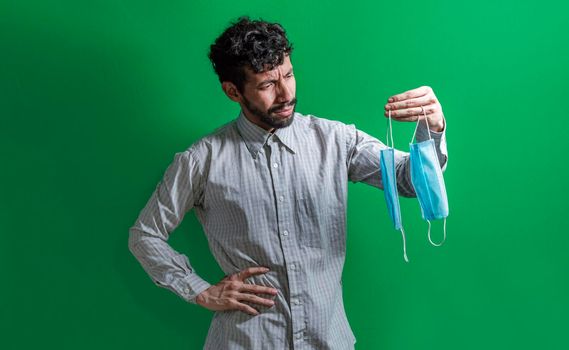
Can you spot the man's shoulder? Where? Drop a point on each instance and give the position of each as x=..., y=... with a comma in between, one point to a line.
x=204, y=144
x=317, y=123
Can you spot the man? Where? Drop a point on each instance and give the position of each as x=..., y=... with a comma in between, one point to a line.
x=270, y=190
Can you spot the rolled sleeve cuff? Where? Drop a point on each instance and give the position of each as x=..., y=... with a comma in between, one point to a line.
x=423, y=133
x=190, y=287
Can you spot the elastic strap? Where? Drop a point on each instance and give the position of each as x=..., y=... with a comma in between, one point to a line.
x=444, y=233
x=416, y=126
x=404, y=245
x=389, y=131
x=388, y=137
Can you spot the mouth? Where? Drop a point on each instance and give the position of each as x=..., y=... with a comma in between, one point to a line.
x=285, y=112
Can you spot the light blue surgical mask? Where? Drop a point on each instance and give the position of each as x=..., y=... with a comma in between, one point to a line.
x=427, y=179
x=388, y=178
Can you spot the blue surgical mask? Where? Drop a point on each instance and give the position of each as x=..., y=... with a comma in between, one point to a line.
x=427, y=179
x=388, y=178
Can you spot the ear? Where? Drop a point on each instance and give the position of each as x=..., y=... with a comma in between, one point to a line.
x=231, y=91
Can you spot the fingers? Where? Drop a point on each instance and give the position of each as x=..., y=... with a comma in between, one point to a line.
x=251, y=271
x=235, y=305
x=410, y=104
x=411, y=114
x=415, y=102
x=418, y=92
x=255, y=299
x=238, y=291
x=253, y=288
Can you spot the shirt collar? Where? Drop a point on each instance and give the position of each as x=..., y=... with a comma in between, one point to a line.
x=255, y=137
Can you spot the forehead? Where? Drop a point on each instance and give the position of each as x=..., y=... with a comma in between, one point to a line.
x=280, y=69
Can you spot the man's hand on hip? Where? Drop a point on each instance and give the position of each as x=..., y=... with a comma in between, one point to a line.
x=230, y=291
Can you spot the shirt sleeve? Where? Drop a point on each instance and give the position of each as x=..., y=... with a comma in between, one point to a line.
x=363, y=160
x=176, y=193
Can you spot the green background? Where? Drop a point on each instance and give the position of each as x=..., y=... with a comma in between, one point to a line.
x=97, y=96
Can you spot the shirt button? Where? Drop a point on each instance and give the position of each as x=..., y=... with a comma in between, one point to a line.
x=187, y=291
x=297, y=302
x=299, y=335
x=292, y=266
x=275, y=165
x=285, y=233
x=281, y=198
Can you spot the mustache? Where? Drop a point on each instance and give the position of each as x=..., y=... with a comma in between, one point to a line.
x=279, y=108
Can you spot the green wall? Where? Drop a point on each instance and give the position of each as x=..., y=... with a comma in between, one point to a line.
x=97, y=96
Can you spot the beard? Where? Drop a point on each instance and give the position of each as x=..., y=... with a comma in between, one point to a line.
x=267, y=116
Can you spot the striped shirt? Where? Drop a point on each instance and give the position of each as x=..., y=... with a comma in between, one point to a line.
x=273, y=200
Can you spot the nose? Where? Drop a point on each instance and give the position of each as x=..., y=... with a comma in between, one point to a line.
x=284, y=93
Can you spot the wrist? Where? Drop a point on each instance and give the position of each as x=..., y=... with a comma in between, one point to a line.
x=200, y=299
x=440, y=126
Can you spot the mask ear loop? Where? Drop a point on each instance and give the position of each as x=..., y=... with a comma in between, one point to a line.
x=390, y=133
x=417, y=126
x=444, y=233
x=404, y=245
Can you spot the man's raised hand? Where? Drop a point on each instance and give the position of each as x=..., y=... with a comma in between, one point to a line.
x=406, y=107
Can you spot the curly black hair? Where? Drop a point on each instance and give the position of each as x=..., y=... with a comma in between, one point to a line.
x=258, y=44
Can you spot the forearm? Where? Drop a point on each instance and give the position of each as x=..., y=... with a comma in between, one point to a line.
x=165, y=266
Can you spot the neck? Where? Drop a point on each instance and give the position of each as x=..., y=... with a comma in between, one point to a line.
x=257, y=122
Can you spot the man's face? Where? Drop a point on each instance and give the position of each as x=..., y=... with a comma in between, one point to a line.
x=269, y=98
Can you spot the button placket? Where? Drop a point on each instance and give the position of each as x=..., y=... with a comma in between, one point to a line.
x=283, y=204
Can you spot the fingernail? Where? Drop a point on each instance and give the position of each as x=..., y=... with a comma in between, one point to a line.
x=390, y=99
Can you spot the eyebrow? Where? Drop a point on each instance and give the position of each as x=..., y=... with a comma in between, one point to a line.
x=272, y=80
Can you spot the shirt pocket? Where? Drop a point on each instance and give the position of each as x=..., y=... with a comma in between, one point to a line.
x=319, y=222
x=310, y=217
